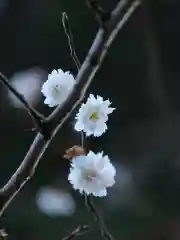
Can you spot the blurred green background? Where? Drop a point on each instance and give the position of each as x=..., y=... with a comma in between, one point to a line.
x=141, y=77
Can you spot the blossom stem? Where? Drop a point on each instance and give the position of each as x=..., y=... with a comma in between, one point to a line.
x=97, y=218
x=82, y=139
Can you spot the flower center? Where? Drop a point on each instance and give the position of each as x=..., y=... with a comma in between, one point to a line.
x=55, y=90
x=91, y=175
x=94, y=116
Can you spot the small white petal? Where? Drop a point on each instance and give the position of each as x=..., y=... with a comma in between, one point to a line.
x=79, y=161
x=57, y=87
x=92, y=174
x=107, y=178
x=100, y=129
x=101, y=193
x=78, y=126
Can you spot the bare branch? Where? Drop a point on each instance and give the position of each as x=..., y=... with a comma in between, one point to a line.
x=81, y=229
x=97, y=218
x=89, y=68
x=68, y=32
x=22, y=174
x=101, y=15
x=37, y=118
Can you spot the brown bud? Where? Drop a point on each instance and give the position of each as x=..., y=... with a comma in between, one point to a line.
x=74, y=152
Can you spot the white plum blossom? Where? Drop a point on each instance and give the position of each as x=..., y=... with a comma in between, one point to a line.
x=92, y=174
x=57, y=87
x=55, y=202
x=28, y=83
x=93, y=115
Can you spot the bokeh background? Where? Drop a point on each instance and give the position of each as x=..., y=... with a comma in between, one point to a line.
x=140, y=75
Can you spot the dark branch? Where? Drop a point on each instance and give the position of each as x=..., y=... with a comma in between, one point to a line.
x=97, y=218
x=84, y=78
x=81, y=229
x=37, y=118
x=101, y=15
x=22, y=174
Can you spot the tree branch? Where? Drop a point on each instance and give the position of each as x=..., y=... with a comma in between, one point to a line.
x=97, y=218
x=37, y=118
x=81, y=229
x=101, y=15
x=89, y=68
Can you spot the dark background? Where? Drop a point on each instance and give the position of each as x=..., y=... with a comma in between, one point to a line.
x=141, y=77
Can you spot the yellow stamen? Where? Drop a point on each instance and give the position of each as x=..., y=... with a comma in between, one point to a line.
x=94, y=116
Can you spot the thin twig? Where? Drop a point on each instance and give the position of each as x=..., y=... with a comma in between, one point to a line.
x=68, y=32
x=97, y=218
x=134, y=5
x=37, y=118
x=95, y=6
x=89, y=68
x=101, y=15
x=81, y=229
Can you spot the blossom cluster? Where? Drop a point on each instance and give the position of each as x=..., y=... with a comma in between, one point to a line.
x=91, y=173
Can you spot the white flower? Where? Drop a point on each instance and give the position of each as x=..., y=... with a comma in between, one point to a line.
x=57, y=88
x=92, y=174
x=55, y=202
x=28, y=83
x=93, y=115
